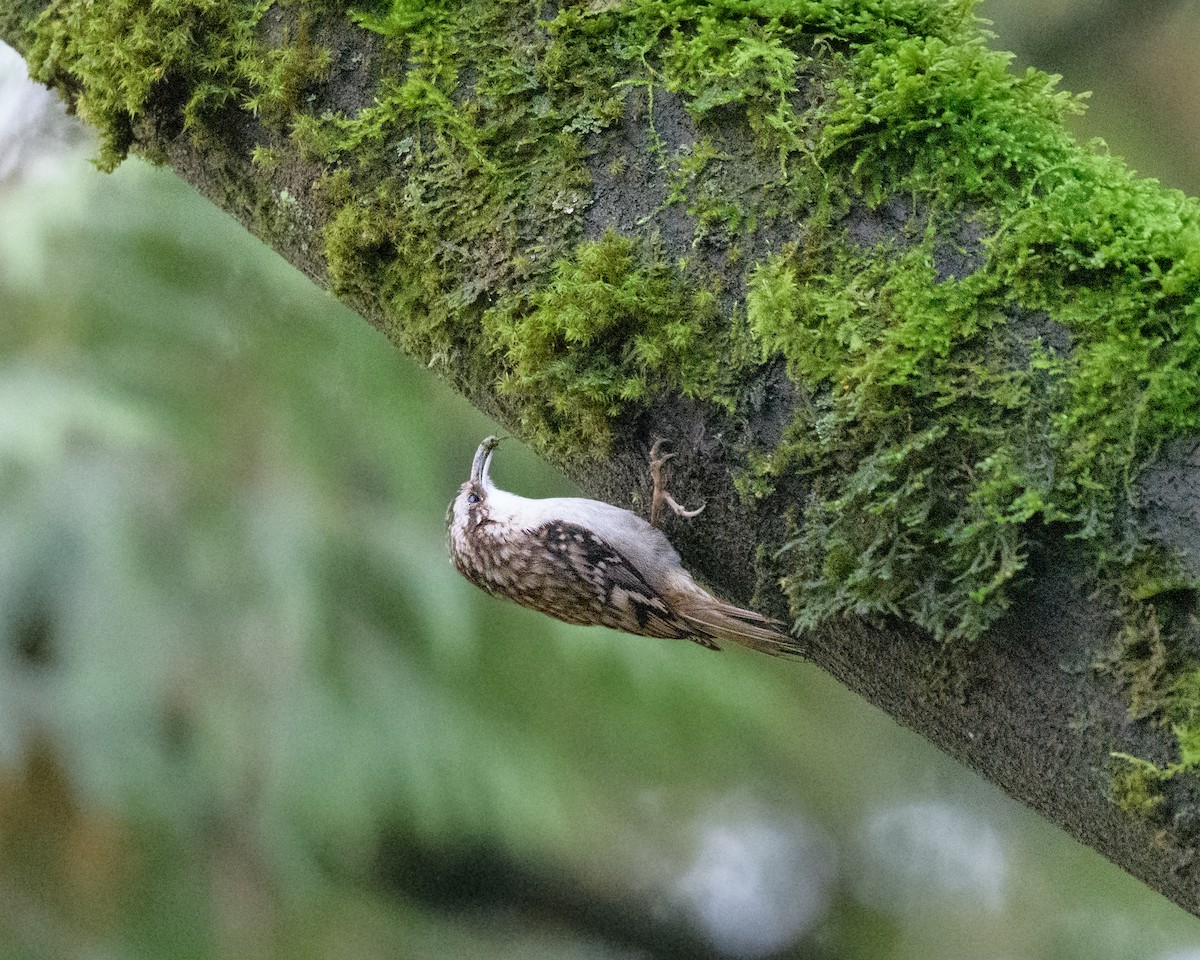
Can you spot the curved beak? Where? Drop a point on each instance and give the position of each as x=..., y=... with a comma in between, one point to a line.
x=483, y=460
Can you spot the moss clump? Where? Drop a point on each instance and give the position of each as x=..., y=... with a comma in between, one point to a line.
x=921, y=412
x=1183, y=715
x=1155, y=662
x=947, y=115
x=945, y=416
x=1128, y=252
x=1136, y=787
x=448, y=191
x=115, y=56
x=725, y=61
x=1144, y=662
x=612, y=329
x=460, y=192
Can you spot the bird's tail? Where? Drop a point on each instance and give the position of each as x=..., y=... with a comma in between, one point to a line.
x=723, y=621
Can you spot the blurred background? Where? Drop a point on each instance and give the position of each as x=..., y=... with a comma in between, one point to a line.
x=247, y=709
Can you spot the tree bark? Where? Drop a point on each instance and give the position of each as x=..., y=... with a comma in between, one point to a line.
x=1040, y=698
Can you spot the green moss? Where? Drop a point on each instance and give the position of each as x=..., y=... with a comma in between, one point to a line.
x=921, y=406
x=613, y=328
x=937, y=432
x=697, y=182
x=446, y=193
x=267, y=159
x=1144, y=663
x=116, y=56
x=947, y=115
x=1183, y=714
x=1136, y=787
x=1155, y=662
x=476, y=157
x=725, y=61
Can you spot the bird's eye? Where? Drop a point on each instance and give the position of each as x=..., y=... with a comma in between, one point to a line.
x=472, y=498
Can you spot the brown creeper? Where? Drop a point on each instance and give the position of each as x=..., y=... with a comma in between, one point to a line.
x=588, y=562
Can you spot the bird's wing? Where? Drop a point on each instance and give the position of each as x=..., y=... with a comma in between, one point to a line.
x=595, y=584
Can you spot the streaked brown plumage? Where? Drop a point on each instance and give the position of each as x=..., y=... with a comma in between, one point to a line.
x=588, y=562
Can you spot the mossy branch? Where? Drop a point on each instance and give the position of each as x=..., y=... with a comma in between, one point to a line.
x=935, y=365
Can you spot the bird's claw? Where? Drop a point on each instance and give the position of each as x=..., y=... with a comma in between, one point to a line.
x=660, y=496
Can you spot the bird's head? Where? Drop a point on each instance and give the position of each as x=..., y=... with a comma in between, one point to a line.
x=470, y=508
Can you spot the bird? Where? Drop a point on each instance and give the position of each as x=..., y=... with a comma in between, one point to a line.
x=588, y=562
